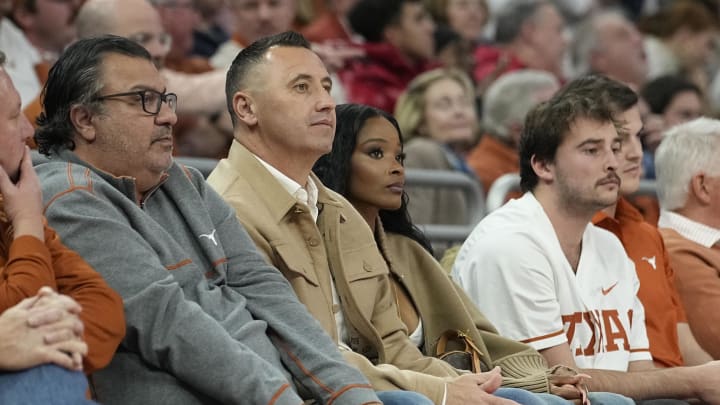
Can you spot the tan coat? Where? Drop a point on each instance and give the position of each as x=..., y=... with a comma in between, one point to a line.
x=340, y=245
x=445, y=306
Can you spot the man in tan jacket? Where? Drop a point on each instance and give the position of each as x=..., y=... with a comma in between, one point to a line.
x=279, y=95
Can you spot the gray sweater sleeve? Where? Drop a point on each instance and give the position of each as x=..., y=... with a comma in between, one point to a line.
x=169, y=331
x=306, y=350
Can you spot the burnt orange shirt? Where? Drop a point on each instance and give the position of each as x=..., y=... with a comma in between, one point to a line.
x=491, y=159
x=658, y=294
x=698, y=282
x=27, y=263
x=648, y=207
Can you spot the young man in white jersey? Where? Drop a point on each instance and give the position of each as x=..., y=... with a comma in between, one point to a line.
x=545, y=276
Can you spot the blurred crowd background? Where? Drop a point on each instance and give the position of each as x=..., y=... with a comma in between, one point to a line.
x=459, y=75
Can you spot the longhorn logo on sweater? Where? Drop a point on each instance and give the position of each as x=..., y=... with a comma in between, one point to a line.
x=210, y=236
x=650, y=260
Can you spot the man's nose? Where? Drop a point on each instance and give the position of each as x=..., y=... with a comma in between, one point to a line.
x=166, y=115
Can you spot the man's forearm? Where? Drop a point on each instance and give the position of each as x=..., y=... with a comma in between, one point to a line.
x=677, y=382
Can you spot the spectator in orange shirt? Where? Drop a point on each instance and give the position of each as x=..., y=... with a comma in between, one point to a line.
x=688, y=180
x=32, y=255
x=672, y=344
x=505, y=105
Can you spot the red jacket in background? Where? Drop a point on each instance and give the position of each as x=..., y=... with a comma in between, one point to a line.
x=326, y=27
x=491, y=62
x=380, y=77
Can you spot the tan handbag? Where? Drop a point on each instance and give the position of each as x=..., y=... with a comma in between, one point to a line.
x=465, y=359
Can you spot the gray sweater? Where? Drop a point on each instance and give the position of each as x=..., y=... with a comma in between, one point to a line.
x=208, y=320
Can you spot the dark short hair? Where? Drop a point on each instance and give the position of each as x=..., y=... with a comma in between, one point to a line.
x=252, y=55
x=369, y=18
x=617, y=96
x=76, y=79
x=334, y=169
x=660, y=92
x=548, y=124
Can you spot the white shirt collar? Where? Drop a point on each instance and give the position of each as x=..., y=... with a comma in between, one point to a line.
x=695, y=231
x=307, y=195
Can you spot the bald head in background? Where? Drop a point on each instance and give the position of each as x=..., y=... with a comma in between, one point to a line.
x=137, y=20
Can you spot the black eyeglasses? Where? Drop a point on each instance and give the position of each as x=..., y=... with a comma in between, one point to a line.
x=151, y=100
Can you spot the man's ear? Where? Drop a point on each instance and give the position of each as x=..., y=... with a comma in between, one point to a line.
x=82, y=119
x=244, y=107
x=699, y=188
x=543, y=168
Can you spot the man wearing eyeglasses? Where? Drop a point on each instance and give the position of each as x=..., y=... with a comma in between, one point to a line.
x=140, y=22
x=208, y=321
x=202, y=94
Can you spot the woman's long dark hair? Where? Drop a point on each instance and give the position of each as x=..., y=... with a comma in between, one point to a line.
x=333, y=169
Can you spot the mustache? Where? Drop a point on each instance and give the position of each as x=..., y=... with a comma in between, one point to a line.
x=612, y=177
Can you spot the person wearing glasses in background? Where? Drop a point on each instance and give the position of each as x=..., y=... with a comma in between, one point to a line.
x=202, y=94
x=208, y=321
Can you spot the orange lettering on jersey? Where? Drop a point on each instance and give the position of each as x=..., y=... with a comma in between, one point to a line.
x=606, y=331
x=614, y=330
x=590, y=321
x=571, y=321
